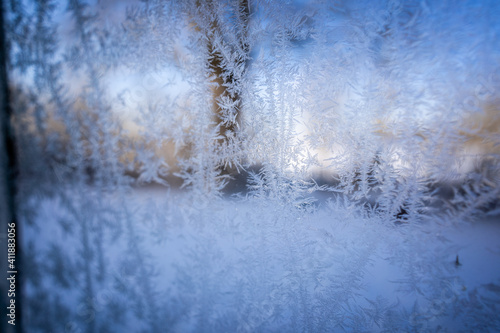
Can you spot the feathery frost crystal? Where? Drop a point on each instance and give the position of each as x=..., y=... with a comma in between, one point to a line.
x=257, y=166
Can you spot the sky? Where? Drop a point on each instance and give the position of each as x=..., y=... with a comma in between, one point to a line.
x=416, y=62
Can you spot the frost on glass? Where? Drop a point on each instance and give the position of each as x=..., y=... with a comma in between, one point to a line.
x=257, y=165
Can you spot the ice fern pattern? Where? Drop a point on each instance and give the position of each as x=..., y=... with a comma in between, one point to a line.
x=257, y=166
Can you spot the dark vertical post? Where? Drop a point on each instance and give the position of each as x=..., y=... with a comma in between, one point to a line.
x=9, y=233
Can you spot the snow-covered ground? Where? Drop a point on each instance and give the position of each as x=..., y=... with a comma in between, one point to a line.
x=156, y=260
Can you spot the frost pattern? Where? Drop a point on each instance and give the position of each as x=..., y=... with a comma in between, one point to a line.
x=300, y=146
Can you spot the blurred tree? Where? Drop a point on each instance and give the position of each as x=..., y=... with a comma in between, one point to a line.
x=229, y=52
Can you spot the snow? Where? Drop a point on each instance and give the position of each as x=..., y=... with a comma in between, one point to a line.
x=254, y=266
